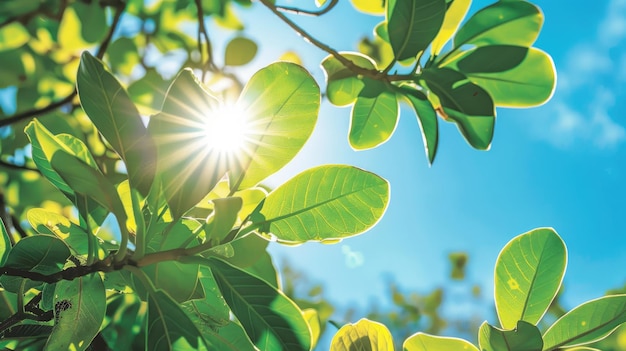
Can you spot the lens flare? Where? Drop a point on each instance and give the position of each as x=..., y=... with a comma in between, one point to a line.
x=226, y=130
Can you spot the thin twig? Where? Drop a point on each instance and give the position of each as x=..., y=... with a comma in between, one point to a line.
x=315, y=13
x=53, y=106
x=202, y=33
x=371, y=73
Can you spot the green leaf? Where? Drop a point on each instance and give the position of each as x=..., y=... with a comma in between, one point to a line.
x=46, y=222
x=237, y=337
x=525, y=337
x=42, y=254
x=281, y=102
x=223, y=218
x=454, y=16
x=413, y=24
x=187, y=167
x=123, y=55
x=5, y=243
x=247, y=250
x=93, y=21
x=427, y=120
x=109, y=107
x=44, y=146
x=589, y=322
x=313, y=319
x=494, y=24
x=271, y=320
x=514, y=76
x=374, y=116
x=79, y=308
x=88, y=181
x=324, y=203
x=370, y=7
x=239, y=51
x=465, y=103
x=264, y=268
x=343, y=85
x=211, y=311
x=168, y=327
x=425, y=342
x=177, y=279
x=362, y=335
x=528, y=275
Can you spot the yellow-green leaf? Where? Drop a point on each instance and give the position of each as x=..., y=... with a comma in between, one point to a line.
x=425, y=342
x=454, y=16
x=362, y=335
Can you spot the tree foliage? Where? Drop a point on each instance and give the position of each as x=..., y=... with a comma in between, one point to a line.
x=97, y=134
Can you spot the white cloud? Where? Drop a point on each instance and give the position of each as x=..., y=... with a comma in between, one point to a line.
x=590, y=71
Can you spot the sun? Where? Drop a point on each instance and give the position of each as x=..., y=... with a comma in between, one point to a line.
x=227, y=129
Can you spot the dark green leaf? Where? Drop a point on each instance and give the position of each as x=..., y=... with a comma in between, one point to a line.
x=109, y=107
x=5, y=243
x=324, y=203
x=525, y=337
x=465, y=103
x=528, y=275
x=43, y=254
x=492, y=59
x=168, y=327
x=343, y=85
x=589, y=322
x=495, y=23
x=271, y=320
x=374, y=116
x=427, y=120
x=239, y=51
x=413, y=24
x=79, y=308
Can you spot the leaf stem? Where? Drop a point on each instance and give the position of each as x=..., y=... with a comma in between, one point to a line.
x=315, y=13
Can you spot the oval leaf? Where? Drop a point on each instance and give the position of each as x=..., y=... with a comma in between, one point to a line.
x=362, y=335
x=240, y=51
x=324, y=203
x=370, y=7
x=343, y=85
x=374, y=116
x=525, y=337
x=589, y=322
x=79, y=308
x=271, y=320
x=5, y=243
x=425, y=342
x=513, y=76
x=111, y=110
x=281, y=102
x=188, y=168
x=413, y=24
x=495, y=23
x=528, y=275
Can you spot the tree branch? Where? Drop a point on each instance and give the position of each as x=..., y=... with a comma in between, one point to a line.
x=202, y=33
x=10, y=165
x=316, y=13
x=53, y=106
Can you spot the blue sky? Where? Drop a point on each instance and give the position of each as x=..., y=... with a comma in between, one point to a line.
x=560, y=165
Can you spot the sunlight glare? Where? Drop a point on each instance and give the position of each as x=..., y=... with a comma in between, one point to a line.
x=226, y=129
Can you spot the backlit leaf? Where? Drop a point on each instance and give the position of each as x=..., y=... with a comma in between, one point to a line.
x=413, y=24
x=324, y=203
x=13, y=36
x=362, y=335
x=454, y=16
x=45, y=222
x=187, y=167
x=528, y=275
x=239, y=51
x=371, y=7
x=281, y=102
x=525, y=337
x=425, y=342
x=494, y=24
x=5, y=243
x=589, y=322
x=374, y=116
x=79, y=308
x=343, y=85
x=109, y=107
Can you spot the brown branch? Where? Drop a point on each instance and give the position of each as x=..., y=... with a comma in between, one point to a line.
x=202, y=33
x=53, y=106
x=316, y=13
